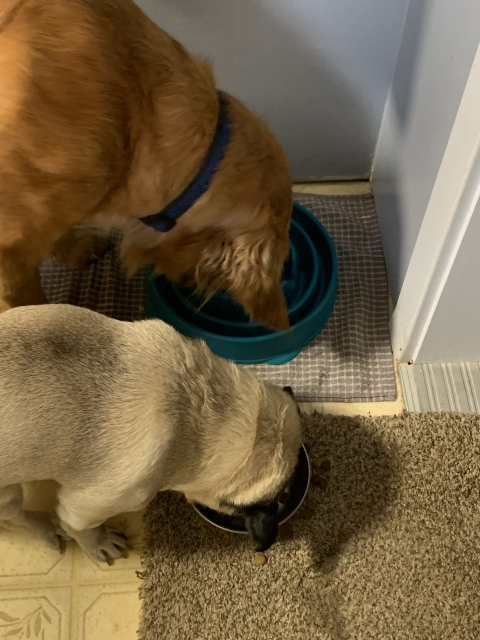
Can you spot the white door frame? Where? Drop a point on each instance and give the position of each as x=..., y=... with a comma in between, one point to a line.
x=453, y=199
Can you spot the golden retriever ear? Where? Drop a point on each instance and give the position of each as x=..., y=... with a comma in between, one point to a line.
x=267, y=306
x=249, y=266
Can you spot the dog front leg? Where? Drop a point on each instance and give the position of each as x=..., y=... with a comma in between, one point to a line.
x=82, y=515
x=81, y=246
x=43, y=526
x=102, y=543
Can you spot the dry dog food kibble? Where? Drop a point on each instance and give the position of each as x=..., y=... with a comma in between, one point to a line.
x=319, y=481
x=261, y=559
x=324, y=465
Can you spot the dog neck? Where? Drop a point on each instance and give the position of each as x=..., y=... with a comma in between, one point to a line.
x=245, y=465
x=166, y=219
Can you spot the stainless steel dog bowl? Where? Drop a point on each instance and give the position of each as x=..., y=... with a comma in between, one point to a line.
x=296, y=492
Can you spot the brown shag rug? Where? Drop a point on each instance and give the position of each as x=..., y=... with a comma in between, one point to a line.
x=388, y=546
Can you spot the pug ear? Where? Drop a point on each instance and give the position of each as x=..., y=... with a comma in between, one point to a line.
x=263, y=527
x=289, y=391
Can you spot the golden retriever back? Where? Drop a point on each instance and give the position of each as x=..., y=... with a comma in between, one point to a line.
x=103, y=114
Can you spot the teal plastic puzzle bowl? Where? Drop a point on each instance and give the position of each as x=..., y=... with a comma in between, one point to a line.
x=309, y=284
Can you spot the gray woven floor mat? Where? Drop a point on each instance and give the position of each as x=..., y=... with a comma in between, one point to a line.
x=350, y=361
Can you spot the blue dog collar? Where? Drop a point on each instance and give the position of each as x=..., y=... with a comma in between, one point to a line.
x=165, y=220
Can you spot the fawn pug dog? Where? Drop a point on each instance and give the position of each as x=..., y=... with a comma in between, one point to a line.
x=106, y=120
x=116, y=411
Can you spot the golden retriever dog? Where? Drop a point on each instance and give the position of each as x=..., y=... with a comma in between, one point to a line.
x=116, y=411
x=106, y=120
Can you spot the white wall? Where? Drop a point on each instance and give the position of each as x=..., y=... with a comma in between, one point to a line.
x=438, y=46
x=454, y=332
x=317, y=70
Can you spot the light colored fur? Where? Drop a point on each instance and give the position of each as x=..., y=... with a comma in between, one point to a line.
x=115, y=412
x=104, y=116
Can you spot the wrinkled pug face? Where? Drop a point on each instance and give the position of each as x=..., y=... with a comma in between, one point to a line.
x=261, y=521
x=261, y=518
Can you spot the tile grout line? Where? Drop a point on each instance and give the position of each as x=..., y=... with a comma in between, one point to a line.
x=81, y=583
x=73, y=594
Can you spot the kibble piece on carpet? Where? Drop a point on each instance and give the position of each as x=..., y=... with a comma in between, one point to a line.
x=391, y=549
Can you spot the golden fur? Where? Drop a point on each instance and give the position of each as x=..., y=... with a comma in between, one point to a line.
x=104, y=117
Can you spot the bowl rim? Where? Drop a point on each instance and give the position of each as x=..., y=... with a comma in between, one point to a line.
x=243, y=533
x=325, y=302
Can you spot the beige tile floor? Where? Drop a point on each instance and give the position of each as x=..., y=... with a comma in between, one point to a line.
x=69, y=597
